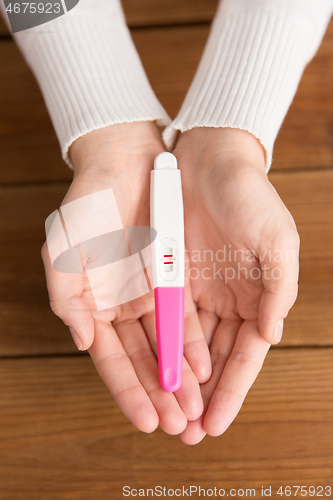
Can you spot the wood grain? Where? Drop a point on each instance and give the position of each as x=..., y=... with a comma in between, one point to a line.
x=29, y=327
x=308, y=197
x=63, y=437
x=165, y=12
x=30, y=151
x=27, y=324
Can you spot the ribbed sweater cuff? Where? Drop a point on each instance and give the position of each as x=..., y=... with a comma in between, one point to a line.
x=90, y=75
x=248, y=75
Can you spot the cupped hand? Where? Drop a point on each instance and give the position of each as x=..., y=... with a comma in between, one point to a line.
x=243, y=254
x=122, y=340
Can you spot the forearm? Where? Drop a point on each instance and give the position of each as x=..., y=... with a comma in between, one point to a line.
x=89, y=71
x=251, y=66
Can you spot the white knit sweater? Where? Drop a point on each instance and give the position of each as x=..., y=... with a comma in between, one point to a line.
x=91, y=76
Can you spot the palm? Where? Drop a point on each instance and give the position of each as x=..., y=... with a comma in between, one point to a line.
x=222, y=238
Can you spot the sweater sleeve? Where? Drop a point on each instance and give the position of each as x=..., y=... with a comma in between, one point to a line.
x=251, y=66
x=89, y=71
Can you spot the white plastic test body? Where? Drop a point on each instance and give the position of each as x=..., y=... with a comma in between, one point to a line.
x=167, y=218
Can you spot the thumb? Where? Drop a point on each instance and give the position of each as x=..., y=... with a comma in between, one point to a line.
x=65, y=292
x=280, y=265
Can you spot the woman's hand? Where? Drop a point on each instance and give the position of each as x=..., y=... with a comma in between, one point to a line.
x=122, y=340
x=243, y=250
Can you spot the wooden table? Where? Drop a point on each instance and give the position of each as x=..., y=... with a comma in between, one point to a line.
x=61, y=434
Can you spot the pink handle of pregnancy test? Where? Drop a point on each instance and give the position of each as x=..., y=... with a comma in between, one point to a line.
x=169, y=311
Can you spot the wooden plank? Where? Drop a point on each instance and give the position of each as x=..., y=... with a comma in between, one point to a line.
x=170, y=57
x=27, y=326
x=30, y=151
x=164, y=12
x=308, y=196
x=159, y=12
x=63, y=437
x=27, y=323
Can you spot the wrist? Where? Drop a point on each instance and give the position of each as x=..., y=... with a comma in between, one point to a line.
x=230, y=148
x=120, y=147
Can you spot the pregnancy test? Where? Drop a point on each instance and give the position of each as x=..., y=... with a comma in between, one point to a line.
x=167, y=218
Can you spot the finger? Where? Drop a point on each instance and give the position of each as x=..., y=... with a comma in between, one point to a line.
x=239, y=373
x=196, y=349
x=222, y=344
x=118, y=374
x=208, y=321
x=194, y=432
x=279, y=267
x=65, y=293
x=221, y=348
x=188, y=396
x=133, y=338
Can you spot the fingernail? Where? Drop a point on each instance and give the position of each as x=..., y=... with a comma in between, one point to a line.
x=278, y=330
x=76, y=338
